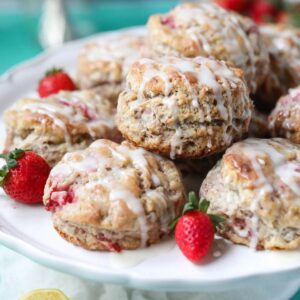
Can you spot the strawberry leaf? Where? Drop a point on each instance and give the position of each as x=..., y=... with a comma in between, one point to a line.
x=3, y=173
x=217, y=220
x=193, y=199
x=194, y=204
x=11, y=162
x=187, y=207
x=173, y=224
x=53, y=71
x=203, y=205
x=16, y=154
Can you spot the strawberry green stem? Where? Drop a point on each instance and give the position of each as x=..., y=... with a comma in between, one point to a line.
x=11, y=161
x=196, y=204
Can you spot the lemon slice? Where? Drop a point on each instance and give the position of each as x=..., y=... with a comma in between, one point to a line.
x=45, y=294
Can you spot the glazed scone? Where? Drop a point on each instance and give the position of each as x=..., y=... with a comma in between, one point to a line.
x=203, y=29
x=113, y=197
x=284, y=120
x=256, y=187
x=103, y=63
x=259, y=125
x=59, y=123
x=184, y=108
x=283, y=44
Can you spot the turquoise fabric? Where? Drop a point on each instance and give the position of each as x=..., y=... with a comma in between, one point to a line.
x=19, y=29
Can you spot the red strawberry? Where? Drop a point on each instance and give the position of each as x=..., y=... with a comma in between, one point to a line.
x=263, y=11
x=235, y=5
x=24, y=176
x=195, y=229
x=54, y=81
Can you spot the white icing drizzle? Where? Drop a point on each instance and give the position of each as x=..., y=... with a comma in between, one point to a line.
x=50, y=110
x=71, y=107
x=128, y=258
x=176, y=143
x=288, y=171
x=215, y=75
x=196, y=37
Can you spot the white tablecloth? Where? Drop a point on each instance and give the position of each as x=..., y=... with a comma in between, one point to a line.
x=19, y=275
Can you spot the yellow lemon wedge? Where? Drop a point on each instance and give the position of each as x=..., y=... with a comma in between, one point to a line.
x=45, y=294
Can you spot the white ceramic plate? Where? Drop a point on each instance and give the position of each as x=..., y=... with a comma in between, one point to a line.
x=28, y=229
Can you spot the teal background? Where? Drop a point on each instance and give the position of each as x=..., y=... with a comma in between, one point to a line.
x=19, y=26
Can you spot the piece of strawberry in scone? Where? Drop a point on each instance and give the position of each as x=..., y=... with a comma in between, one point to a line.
x=113, y=197
x=62, y=122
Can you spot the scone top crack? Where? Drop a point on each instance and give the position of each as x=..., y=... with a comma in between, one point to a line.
x=256, y=186
x=59, y=123
x=183, y=107
x=111, y=194
x=205, y=29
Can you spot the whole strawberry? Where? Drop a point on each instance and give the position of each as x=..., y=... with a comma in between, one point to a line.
x=195, y=229
x=54, y=81
x=24, y=176
x=263, y=11
x=235, y=5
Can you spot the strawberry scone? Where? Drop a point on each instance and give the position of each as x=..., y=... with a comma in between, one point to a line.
x=113, y=197
x=256, y=187
x=283, y=44
x=59, y=123
x=203, y=29
x=184, y=108
x=284, y=120
x=103, y=63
